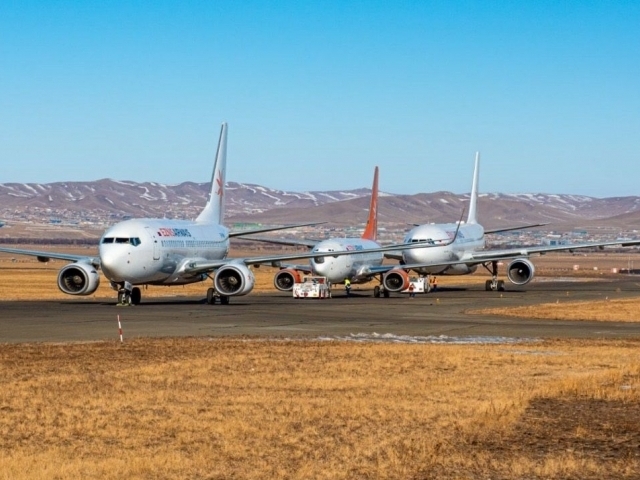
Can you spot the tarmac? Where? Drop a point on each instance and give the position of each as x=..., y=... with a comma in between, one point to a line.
x=438, y=315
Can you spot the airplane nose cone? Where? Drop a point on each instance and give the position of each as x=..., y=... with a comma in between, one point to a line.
x=111, y=263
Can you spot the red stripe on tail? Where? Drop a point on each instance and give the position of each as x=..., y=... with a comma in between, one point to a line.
x=371, y=230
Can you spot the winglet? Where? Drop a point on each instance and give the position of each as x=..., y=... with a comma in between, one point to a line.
x=371, y=230
x=474, y=192
x=214, y=209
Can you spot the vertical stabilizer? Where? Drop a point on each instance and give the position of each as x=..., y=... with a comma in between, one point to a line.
x=214, y=209
x=474, y=192
x=371, y=230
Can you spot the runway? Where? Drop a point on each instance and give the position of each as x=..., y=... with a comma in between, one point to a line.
x=443, y=313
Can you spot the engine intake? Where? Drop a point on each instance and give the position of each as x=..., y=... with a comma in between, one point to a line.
x=234, y=279
x=520, y=271
x=78, y=279
x=396, y=280
x=285, y=278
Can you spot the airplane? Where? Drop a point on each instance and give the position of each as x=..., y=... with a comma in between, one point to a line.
x=149, y=251
x=363, y=264
x=466, y=253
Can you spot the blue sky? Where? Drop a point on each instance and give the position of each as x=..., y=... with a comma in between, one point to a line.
x=318, y=93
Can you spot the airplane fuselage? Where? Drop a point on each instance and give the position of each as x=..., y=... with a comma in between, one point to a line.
x=354, y=267
x=470, y=238
x=155, y=251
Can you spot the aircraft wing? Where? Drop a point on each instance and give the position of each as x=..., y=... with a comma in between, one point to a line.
x=483, y=256
x=44, y=256
x=286, y=241
x=276, y=260
x=491, y=255
x=393, y=256
x=241, y=233
x=511, y=229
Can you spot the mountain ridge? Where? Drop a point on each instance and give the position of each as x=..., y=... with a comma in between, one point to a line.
x=109, y=200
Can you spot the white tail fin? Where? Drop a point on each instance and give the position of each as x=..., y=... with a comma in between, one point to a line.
x=214, y=209
x=474, y=192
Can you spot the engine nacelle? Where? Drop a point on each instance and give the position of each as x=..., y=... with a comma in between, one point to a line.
x=78, y=279
x=520, y=271
x=396, y=280
x=234, y=279
x=285, y=278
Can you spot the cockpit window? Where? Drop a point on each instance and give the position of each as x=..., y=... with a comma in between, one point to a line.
x=135, y=241
x=422, y=240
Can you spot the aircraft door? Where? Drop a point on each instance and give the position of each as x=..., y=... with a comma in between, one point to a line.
x=156, y=246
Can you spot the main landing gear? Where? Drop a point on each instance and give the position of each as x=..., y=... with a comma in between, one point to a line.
x=128, y=295
x=379, y=289
x=212, y=296
x=494, y=284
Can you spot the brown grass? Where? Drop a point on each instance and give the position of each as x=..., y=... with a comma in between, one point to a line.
x=201, y=408
x=618, y=310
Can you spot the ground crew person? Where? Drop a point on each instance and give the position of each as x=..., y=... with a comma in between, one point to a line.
x=412, y=290
x=434, y=283
x=347, y=286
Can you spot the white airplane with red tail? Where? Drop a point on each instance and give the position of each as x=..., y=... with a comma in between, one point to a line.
x=361, y=259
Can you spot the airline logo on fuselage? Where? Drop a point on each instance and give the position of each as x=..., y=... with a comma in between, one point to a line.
x=351, y=248
x=173, y=232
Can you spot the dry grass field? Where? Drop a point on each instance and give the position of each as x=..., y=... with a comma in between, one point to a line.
x=245, y=409
x=618, y=310
x=201, y=408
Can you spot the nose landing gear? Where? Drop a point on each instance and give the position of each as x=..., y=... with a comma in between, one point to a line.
x=128, y=295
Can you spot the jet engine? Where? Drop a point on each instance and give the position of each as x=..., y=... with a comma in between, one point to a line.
x=396, y=280
x=78, y=279
x=234, y=279
x=520, y=271
x=285, y=278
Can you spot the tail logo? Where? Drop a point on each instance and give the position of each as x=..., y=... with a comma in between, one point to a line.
x=220, y=189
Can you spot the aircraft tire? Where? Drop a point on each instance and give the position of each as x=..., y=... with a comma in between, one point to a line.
x=136, y=296
x=376, y=291
x=211, y=296
x=224, y=300
x=385, y=294
x=501, y=285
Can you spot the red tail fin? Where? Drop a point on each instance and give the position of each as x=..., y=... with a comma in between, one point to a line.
x=371, y=230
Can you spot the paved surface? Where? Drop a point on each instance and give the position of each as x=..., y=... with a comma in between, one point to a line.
x=279, y=315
